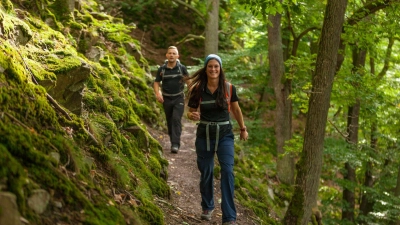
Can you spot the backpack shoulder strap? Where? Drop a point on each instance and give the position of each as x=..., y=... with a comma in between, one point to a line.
x=178, y=63
x=163, y=69
x=228, y=87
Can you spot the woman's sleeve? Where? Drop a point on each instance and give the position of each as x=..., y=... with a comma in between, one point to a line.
x=234, y=97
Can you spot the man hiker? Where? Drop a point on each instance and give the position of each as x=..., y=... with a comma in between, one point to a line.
x=171, y=75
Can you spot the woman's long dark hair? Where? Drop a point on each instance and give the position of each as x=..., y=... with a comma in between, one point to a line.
x=198, y=83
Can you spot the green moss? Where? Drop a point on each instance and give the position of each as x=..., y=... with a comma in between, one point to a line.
x=145, y=112
x=48, y=14
x=116, y=113
x=10, y=61
x=38, y=24
x=7, y=5
x=76, y=25
x=110, y=62
x=155, y=166
x=120, y=102
x=39, y=71
x=120, y=170
x=62, y=62
x=151, y=213
x=100, y=126
x=95, y=102
x=60, y=8
x=116, y=32
x=117, y=95
x=15, y=174
x=87, y=18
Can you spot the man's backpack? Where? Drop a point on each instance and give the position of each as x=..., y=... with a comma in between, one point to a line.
x=228, y=96
x=180, y=74
x=178, y=63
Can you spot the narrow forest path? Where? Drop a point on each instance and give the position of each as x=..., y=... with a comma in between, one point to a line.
x=183, y=178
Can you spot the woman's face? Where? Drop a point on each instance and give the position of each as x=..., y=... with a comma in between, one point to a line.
x=213, y=69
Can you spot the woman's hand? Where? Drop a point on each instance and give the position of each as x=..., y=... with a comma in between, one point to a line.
x=244, y=135
x=195, y=116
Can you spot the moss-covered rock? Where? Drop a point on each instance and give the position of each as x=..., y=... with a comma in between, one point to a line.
x=99, y=158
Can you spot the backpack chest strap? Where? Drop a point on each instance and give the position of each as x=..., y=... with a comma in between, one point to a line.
x=207, y=102
x=172, y=75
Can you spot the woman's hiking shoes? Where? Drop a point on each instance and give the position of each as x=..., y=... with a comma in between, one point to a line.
x=174, y=149
x=230, y=223
x=206, y=215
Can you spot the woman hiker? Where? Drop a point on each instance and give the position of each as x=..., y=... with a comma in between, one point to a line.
x=211, y=99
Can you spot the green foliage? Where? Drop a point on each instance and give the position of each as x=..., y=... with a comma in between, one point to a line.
x=263, y=7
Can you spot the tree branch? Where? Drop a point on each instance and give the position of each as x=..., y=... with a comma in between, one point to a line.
x=387, y=59
x=367, y=10
x=358, y=15
x=297, y=39
x=337, y=129
x=191, y=8
x=190, y=37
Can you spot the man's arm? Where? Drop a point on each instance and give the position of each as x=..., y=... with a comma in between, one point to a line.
x=159, y=96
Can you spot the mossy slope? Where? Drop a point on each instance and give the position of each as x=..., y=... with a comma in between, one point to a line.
x=110, y=168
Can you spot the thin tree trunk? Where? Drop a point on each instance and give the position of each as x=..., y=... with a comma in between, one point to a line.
x=397, y=193
x=310, y=164
x=352, y=130
x=350, y=175
x=285, y=162
x=367, y=203
x=211, y=30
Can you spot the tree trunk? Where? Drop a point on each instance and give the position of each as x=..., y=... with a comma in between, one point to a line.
x=310, y=164
x=397, y=193
x=367, y=204
x=211, y=30
x=352, y=138
x=285, y=162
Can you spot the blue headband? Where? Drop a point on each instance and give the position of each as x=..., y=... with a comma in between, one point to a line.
x=213, y=56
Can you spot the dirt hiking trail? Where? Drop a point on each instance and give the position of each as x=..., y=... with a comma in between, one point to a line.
x=184, y=177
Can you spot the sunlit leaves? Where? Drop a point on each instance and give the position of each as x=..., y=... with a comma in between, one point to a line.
x=263, y=7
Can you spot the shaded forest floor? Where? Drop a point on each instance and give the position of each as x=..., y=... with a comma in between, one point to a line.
x=183, y=178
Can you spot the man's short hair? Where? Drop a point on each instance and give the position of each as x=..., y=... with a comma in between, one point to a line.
x=173, y=47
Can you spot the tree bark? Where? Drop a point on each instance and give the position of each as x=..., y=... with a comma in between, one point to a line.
x=397, y=193
x=367, y=203
x=211, y=30
x=282, y=90
x=352, y=138
x=310, y=164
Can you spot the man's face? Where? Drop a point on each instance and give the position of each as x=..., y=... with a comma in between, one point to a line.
x=172, y=55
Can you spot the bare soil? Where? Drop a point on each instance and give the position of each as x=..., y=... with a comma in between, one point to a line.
x=183, y=178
